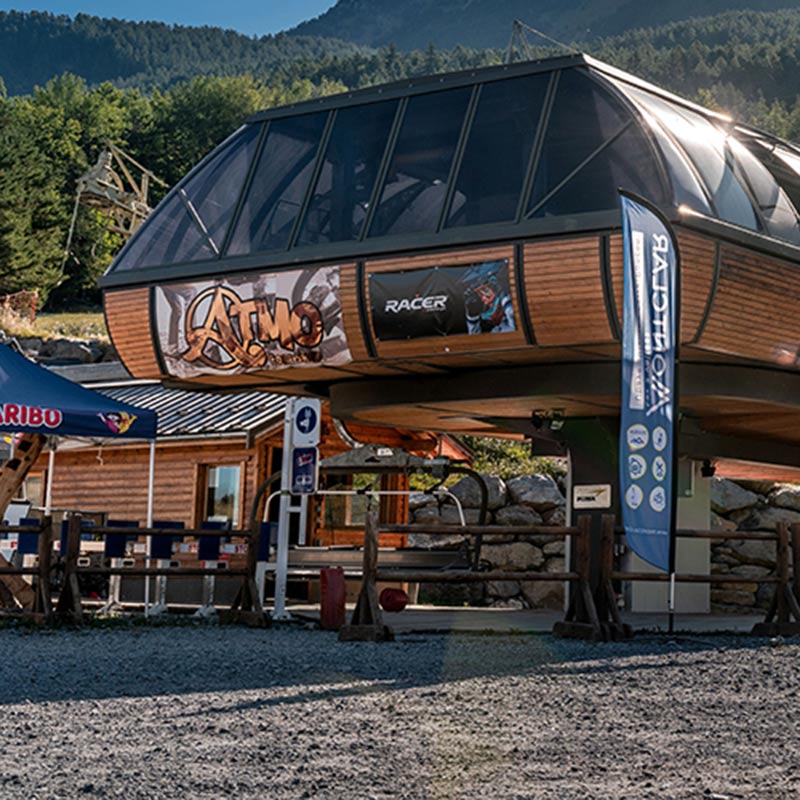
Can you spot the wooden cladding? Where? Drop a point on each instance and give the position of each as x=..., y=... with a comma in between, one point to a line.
x=351, y=315
x=754, y=312
x=697, y=255
x=564, y=285
x=128, y=321
x=733, y=302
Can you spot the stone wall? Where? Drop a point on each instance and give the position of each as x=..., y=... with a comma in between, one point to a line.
x=66, y=350
x=747, y=506
x=526, y=500
x=539, y=500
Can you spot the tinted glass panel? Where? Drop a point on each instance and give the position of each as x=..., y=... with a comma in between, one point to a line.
x=498, y=151
x=215, y=190
x=416, y=183
x=197, y=212
x=784, y=165
x=686, y=187
x=626, y=163
x=584, y=117
x=704, y=144
x=344, y=187
x=777, y=212
x=279, y=185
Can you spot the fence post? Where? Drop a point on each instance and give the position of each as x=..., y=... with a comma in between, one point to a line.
x=582, y=620
x=69, y=602
x=782, y=571
x=784, y=603
x=607, y=600
x=247, y=606
x=42, y=603
x=796, y=560
x=366, y=624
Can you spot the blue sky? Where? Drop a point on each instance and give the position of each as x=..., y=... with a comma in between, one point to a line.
x=252, y=17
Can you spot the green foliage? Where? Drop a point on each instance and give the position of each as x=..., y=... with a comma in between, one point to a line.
x=38, y=145
x=177, y=92
x=509, y=458
x=138, y=54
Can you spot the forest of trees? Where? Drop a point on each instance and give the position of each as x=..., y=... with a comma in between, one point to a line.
x=743, y=63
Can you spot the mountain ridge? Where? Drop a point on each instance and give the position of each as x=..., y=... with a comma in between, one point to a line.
x=414, y=24
x=35, y=46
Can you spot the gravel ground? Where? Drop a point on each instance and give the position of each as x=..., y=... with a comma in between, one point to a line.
x=202, y=712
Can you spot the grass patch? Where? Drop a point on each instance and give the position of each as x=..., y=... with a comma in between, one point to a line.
x=73, y=325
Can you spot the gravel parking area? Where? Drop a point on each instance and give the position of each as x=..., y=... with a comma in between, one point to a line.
x=211, y=712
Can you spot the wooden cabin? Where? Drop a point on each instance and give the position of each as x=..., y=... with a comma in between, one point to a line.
x=212, y=453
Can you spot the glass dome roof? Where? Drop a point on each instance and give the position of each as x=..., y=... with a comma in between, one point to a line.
x=496, y=153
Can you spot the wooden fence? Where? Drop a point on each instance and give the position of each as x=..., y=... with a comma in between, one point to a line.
x=246, y=606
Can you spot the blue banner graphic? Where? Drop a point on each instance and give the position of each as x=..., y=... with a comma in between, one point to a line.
x=649, y=388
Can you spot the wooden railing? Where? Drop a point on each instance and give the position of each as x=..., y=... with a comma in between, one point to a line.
x=582, y=618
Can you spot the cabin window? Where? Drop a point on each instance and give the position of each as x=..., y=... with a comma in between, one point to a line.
x=625, y=162
x=417, y=178
x=222, y=494
x=350, y=510
x=569, y=144
x=192, y=222
x=279, y=184
x=498, y=151
x=705, y=146
x=32, y=489
x=776, y=210
x=343, y=190
x=686, y=187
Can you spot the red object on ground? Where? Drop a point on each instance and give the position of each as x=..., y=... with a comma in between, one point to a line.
x=331, y=598
x=393, y=599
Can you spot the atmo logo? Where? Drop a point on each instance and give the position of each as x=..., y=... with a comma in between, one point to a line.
x=242, y=329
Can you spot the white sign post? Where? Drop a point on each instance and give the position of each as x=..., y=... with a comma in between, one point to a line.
x=301, y=430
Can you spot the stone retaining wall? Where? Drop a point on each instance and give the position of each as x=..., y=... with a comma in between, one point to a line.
x=539, y=500
x=749, y=506
x=63, y=350
x=527, y=500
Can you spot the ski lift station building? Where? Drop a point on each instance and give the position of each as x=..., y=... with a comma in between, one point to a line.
x=445, y=253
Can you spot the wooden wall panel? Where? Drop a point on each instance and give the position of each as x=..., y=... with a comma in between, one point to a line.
x=697, y=279
x=564, y=286
x=413, y=348
x=128, y=320
x=754, y=312
x=114, y=479
x=351, y=316
x=698, y=257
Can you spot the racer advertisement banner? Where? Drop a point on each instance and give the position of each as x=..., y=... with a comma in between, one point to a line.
x=649, y=390
x=272, y=321
x=442, y=301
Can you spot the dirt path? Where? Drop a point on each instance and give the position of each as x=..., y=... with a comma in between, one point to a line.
x=224, y=712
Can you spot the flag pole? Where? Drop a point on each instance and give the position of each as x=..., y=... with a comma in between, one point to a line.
x=676, y=424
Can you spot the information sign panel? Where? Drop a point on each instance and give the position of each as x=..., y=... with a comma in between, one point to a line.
x=305, y=470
